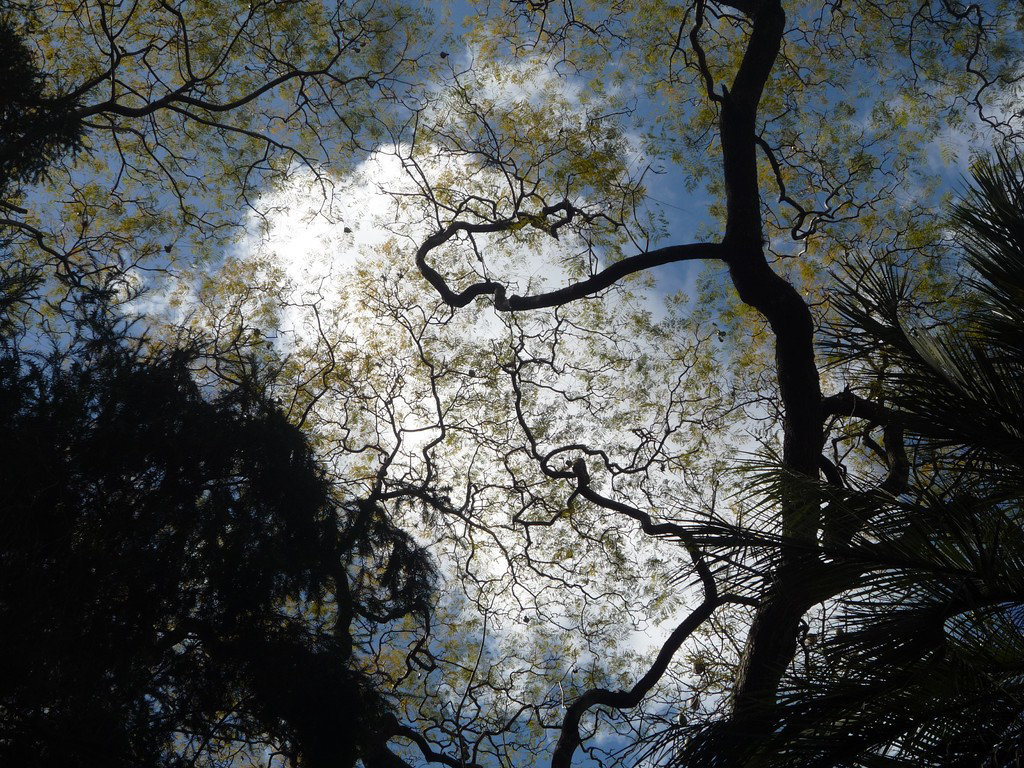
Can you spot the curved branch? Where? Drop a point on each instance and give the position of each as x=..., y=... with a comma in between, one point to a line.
x=852, y=405
x=802, y=214
x=569, y=739
x=847, y=403
x=647, y=525
x=594, y=284
x=430, y=754
x=702, y=61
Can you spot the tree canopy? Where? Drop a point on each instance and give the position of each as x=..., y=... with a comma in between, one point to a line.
x=646, y=320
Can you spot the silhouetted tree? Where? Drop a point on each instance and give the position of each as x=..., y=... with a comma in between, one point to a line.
x=35, y=129
x=178, y=584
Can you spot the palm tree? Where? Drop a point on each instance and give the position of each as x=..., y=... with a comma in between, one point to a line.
x=921, y=659
x=925, y=659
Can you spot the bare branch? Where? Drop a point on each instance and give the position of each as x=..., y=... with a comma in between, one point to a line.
x=598, y=282
x=569, y=739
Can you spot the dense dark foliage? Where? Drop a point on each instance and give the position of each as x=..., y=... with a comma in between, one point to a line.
x=36, y=129
x=176, y=579
x=928, y=667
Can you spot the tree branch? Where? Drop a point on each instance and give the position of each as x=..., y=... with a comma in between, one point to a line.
x=569, y=739
x=429, y=753
x=771, y=640
x=594, y=284
x=852, y=405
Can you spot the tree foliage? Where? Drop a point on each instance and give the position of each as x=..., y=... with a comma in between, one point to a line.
x=36, y=131
x=510, y=365
x=803, y=169
x=181, y=584
x=182, y=113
